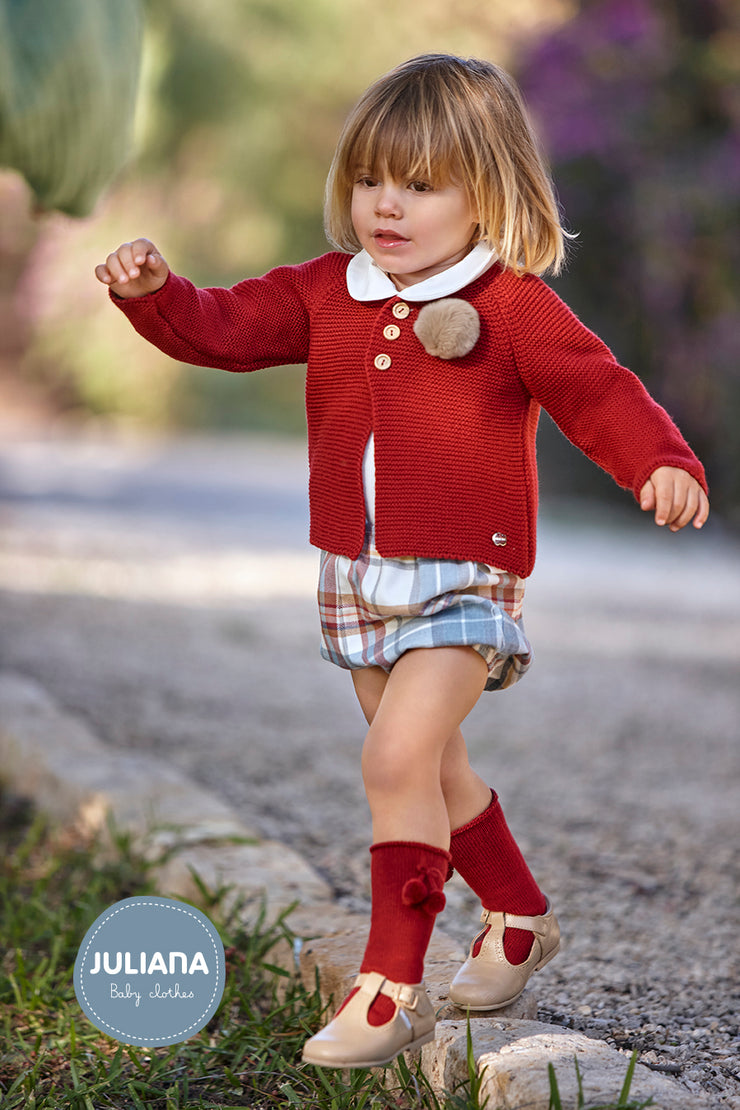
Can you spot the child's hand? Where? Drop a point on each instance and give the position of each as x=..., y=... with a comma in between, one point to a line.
x=676, y=498
x=134, y=270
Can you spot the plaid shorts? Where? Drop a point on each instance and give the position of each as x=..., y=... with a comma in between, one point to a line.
x=373, y=609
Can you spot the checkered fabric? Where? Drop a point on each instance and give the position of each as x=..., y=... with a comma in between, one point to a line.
x=373, y=609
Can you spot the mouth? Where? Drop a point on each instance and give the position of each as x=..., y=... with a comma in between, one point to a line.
x=388, y=239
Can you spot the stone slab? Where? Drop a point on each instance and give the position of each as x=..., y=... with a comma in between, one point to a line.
x=51, y=756
x=512, y=1056
x=263, y=870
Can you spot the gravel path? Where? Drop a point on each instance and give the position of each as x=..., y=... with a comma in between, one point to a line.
x=139, y=584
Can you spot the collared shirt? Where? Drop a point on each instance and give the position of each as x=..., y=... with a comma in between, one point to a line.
x=367, y=282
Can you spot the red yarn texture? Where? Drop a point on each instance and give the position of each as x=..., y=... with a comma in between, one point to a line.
x=489, y=860
x=401, y=920
x=434, y=419
x=406, y=881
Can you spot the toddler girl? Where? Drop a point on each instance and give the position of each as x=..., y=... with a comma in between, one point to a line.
x=431, y=344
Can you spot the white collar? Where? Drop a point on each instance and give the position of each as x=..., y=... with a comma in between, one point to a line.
x=367, y=282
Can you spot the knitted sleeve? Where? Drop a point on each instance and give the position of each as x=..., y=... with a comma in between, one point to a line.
x=601, y=407
x=259, y=322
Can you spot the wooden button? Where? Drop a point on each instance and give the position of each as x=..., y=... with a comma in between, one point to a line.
x=391, y=331
x=382, y=362
x=400, y=310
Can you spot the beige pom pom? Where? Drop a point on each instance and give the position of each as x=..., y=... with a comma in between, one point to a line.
x=448, y=328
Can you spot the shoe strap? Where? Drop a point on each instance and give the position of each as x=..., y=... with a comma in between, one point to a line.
x=402, y=994
x=534, y=925
x=369, y=983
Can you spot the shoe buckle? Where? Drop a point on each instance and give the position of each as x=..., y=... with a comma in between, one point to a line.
x=406, y=996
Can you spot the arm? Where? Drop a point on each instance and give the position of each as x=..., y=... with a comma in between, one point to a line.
x=602, y=407
x=259, y=322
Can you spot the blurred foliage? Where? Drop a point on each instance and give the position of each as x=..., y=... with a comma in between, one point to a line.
x=639, y=105
x=68, y=79
x=240, y=108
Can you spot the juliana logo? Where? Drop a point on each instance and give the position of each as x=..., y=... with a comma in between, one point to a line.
x=176, y=964
x=163, y=956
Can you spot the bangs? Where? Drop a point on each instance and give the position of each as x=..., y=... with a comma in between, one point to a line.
x=409, y=139
x=446, y=120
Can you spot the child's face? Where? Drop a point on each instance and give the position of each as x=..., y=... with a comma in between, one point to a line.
x=410, y=229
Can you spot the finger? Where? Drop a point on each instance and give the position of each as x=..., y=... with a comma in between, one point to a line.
x=687, y=511
x=115, y=267
x=140, y=249
x=126, y=255
x=647, y=497
x=703, y=512
x=155, y=263
x=664, y=501
x=103, y=274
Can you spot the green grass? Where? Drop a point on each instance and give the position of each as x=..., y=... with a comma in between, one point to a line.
x=623, y=1102
x=53, y=884
x=52, y=887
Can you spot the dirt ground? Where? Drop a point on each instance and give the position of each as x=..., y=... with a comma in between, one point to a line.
x=165, y=593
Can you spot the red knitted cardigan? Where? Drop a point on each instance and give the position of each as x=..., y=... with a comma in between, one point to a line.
x=455, y=462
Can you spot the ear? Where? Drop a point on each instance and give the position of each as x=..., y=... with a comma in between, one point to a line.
x=448, y=328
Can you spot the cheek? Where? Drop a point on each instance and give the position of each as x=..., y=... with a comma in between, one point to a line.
x=357, y=212
x=460, y=218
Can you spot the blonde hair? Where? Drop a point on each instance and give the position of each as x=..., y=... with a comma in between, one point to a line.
x=461, y=121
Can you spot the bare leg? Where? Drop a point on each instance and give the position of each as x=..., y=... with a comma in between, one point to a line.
x=369, y=683
x=465, y=792
x=415, y=712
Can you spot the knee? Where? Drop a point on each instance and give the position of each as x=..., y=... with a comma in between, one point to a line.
x=390, y=766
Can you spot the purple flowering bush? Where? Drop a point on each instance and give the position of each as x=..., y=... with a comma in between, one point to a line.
x=638, y=103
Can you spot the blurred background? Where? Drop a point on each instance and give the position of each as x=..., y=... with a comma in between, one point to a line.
x=156, y=580
x=209, y=129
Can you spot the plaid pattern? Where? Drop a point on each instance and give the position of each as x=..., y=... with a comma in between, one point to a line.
x=373, y=609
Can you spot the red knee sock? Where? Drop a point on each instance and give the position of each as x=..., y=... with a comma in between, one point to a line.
x=489, y=860
x=406, y=881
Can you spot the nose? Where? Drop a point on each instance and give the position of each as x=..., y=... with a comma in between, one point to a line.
x=388, y=199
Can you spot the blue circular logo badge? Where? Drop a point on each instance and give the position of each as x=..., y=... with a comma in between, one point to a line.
x=150, y=971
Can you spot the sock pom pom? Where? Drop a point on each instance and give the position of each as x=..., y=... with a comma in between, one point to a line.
x=448, y=328
x=425, y=891
x=435, y=903
x=414, y=891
